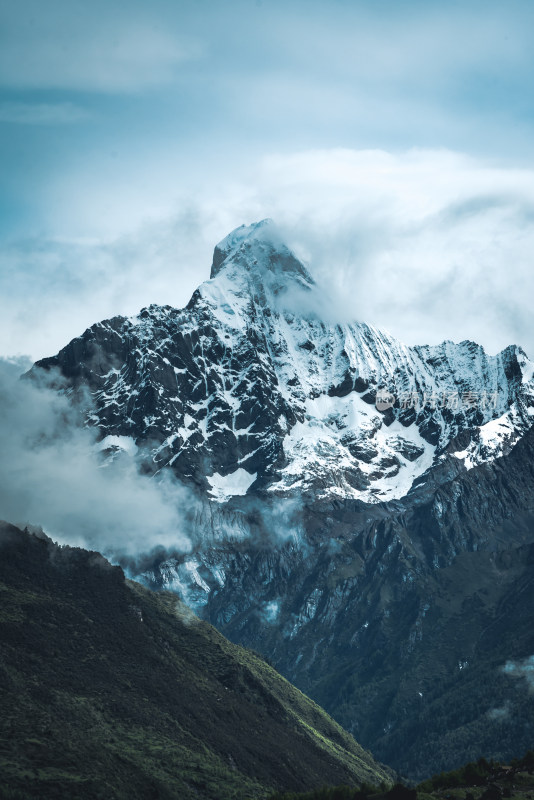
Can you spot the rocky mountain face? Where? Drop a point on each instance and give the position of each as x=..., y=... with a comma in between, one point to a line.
x=365, y=508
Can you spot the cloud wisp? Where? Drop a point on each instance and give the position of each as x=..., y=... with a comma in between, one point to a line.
x=521, y=669
x=43, y=113
x=52, y=475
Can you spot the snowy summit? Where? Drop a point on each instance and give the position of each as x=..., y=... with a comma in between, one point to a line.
x=248, y=390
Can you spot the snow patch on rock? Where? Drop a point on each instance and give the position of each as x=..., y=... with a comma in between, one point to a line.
x=223, y=487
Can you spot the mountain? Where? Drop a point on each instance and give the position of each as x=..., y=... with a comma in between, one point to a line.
x=249, y=389
x=366, y=509
x=412, y=622
x=110, y=690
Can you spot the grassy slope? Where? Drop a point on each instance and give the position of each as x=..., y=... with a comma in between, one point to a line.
x=111, y=691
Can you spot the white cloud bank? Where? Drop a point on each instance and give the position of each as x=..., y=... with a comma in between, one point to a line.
x=429, y=244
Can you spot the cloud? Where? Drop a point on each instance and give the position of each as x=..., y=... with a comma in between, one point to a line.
x=52, y=475
x=68, y=284
x=521, y=669
x=429, y=244
x=271, y=611
x=96, y=48
x=43, y=113
x=500, y=713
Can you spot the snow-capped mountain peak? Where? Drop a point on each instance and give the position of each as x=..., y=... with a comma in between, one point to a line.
x=246, y=390
x=258, y=252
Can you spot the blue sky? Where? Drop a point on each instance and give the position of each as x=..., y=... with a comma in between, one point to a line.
x=392, y=141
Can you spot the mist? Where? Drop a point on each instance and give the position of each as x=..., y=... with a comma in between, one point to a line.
x=521, y=669
x=53, y=474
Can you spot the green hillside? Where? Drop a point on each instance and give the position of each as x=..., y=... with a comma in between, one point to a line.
x=111, y=691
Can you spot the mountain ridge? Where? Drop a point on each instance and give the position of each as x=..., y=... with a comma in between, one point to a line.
x=248, y=381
